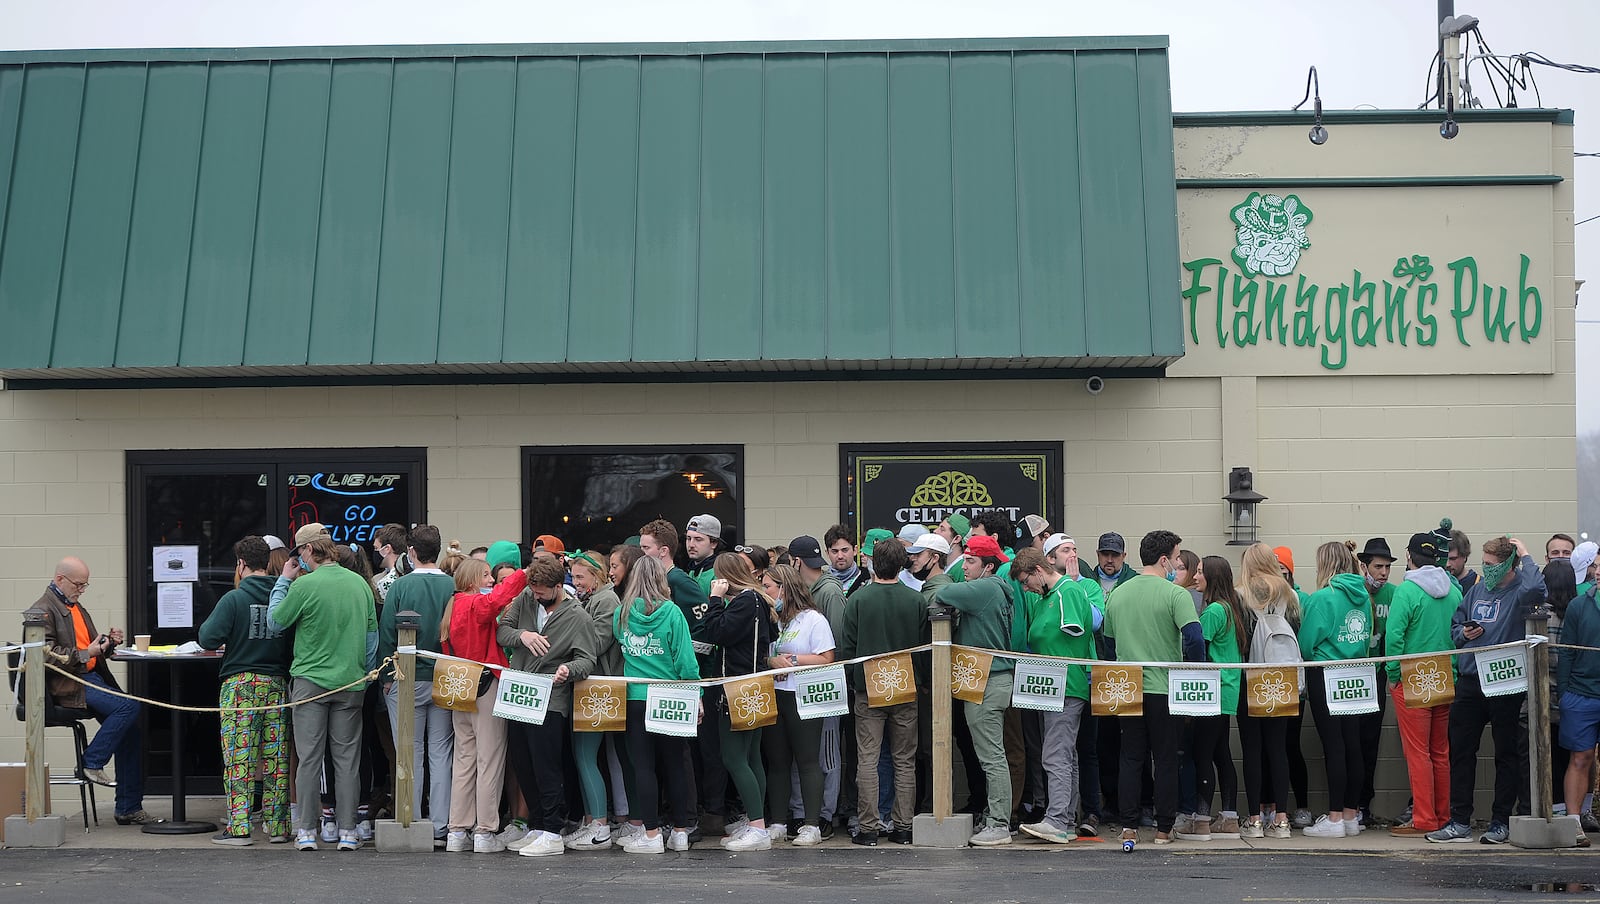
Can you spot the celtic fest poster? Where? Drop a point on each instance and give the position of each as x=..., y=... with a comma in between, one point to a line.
x=898, y=485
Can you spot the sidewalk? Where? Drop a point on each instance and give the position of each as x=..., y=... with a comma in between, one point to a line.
x=1374, y=842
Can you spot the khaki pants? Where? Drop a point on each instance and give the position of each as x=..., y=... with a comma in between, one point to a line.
x=479, y=766
x=901, y=723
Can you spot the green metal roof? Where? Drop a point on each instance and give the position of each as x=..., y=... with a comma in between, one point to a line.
x=1001, y=205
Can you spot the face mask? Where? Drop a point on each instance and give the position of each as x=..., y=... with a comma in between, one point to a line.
x=1494, y=574
x=305, y=564
x=485, y=589
x=1172, y=576
x=1373, y=583
x=777, y=604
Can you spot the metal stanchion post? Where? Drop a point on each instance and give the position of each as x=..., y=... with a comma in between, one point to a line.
x=403, y=833
x=941, y=828
x=33, y=827
x=1540, y=830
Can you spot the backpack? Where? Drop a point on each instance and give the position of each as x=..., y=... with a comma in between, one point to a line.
x=1273, y=640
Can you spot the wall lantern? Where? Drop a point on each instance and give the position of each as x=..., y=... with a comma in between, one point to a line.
x=1242, y=500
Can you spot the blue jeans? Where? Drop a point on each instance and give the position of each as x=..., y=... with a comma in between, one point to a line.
x=118, y=737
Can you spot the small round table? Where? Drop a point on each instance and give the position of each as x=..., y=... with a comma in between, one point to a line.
x=179, y=824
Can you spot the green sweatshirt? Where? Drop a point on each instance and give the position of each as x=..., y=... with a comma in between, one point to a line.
x=239, y=622
x=333, y=615
x=425, y=593
x=693, y=601
x=1336, y=621
x=883, y=618
x=654, y=645
x=986, y=616
x=827, y=594
x=1023, y=605
x=568, y=627
x=1061, y=623
x=1420, y=615
x=1380, y=616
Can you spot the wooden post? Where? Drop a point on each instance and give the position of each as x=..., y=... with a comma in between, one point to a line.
x=943, y=727
x=1539, y=716
x=38, y=776
x=405, y=714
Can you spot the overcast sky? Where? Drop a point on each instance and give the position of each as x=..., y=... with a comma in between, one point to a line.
x=1226, y=54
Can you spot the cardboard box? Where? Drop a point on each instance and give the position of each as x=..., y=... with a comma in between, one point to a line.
x=14, y=793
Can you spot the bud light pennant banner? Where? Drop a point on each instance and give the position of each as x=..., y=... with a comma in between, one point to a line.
x=1194, y=692
x=1038, y=684
x=672, y=709
x=890, y=681
x=1352, y=689
x=599, y=704
x=1273, y=692
x=892, y=486
x=1503, y=672
x=523, y=697
x=819, y=693
x=1116, y=690
x=969, y=674
x=1426, y=683
x=752, y=703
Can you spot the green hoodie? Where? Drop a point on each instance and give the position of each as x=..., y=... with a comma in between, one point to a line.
x=240, y=623
x=1420, y=616
x=1337, y=621
x=654, y=645
x=987, y=616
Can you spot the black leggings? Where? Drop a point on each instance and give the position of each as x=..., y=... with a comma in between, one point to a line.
x=1341, y=747
x=658, y=758
x=1266, y=761
x=537, y=754
x=1299, y=777
x=1213, y=763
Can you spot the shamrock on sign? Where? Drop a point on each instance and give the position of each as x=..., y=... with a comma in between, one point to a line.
x=598, y=707
x=1117, y=689
x=1428, y=680
x=456, y=686
x=1272, y=690
x=890, y=679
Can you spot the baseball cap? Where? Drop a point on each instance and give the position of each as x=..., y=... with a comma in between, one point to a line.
x=872, y=538
x=909, y=534
x=1054, y=540
x=931, y=541
x=807, y=550
x=273, y=542
x=961, y=524
x=706, y=524
x=549, y=543
x=1111, y=542
x=310, y=532
x=986, y=546
x=1032, y=526
x=1424, y=548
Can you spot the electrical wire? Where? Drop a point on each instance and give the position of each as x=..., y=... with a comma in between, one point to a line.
x=1542, y=60
x=1589, y=220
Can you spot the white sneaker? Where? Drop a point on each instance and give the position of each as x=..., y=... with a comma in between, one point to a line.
x=546, y=845
x=364, y=831
x=643, y=843
x=596, y=836
x=528, y=837
x=679, y=840
x=991, y=836
x=731, y=837
x=1353, y=827
x=348, y=840
x=626, y=832
x=515, y=830
x=736, y=827
x=1324, y=828
x=305, y=839
x=777, y=831
x=487, y=843
x=751, y=839
x=457, y=842
x=807, y=836
x=330, y=830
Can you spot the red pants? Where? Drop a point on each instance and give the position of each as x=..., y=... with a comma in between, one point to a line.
x=1425, y=737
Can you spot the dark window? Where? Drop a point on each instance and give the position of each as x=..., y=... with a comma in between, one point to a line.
x=212, y=499
x=596, y=497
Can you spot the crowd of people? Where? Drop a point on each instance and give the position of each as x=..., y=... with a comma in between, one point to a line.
x=310, y=621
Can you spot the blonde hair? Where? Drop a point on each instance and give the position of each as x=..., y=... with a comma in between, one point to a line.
x=1334, y=558
x=647, y=581
x=1262, y=586
x=468, y=574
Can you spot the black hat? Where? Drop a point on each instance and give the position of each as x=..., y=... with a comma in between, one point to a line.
x=1424, y=548
x=1377, y=546
x=807, y=550
x=1111, y=542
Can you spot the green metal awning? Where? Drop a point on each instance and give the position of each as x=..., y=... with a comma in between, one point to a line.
x=335, y=213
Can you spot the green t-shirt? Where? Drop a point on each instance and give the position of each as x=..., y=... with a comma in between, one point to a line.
x=1222, y=645
x=1061, y=623
x=1146, y=617
x=332, y=613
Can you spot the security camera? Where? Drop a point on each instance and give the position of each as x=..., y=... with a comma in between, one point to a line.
x=1095, y=385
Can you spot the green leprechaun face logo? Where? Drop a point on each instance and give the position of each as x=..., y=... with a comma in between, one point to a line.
x=1271, y=234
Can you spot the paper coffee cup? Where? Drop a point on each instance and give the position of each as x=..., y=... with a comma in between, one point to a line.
x=141, y=642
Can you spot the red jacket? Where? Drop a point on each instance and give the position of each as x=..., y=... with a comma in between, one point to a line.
x=472, y=620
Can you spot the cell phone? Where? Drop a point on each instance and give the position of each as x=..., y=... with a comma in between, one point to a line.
x=1473, y=624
